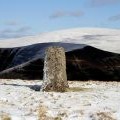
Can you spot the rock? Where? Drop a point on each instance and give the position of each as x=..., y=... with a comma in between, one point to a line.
x=55, y=78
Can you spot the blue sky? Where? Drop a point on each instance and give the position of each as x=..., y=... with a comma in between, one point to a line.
x=26, y=17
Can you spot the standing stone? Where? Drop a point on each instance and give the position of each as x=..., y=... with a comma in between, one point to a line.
x=55, y=78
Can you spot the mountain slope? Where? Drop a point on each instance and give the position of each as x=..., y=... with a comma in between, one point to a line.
x=83, y=62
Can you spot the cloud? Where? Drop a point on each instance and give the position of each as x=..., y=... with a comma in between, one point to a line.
x=103, y=2
x=92, y=37
x=60, y=14
x=114, y=18
x=14, y=33
x=24, y=29
x=76, y=14
x=11, y=23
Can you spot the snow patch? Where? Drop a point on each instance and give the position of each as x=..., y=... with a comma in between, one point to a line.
x=97, y=100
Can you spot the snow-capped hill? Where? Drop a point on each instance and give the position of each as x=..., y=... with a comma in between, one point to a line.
x=105, y=39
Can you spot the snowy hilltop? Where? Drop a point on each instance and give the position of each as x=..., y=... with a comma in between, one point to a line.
x=102, y=38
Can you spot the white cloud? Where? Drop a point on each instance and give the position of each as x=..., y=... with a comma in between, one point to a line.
x=11, y=23
x=60, y=14
x=114, y=18
x=103, y=2
x=13, y=33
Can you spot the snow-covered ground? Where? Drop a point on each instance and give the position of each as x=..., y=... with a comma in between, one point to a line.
x=105, y=39
x=91, y=100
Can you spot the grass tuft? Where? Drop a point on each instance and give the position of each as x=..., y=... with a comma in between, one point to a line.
x=42, y=114
x=57, y=118
x=77, y=89
x=5, y=117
